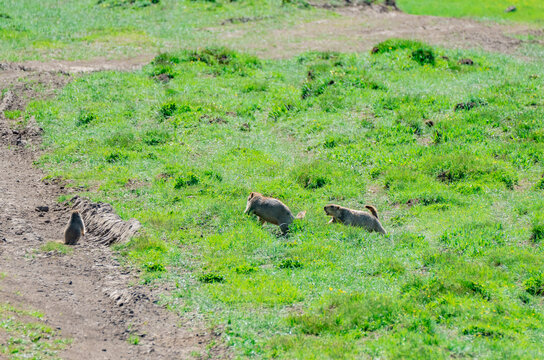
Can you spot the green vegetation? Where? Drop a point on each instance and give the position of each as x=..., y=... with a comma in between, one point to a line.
x=450, y=154
x=25, y=335
x=59, y=248
x=122, y=28
x=526, y=10
x=133, y=339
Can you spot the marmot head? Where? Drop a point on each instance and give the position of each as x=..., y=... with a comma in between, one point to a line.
x=331, y=209
x=76, y=214
x=252, y=195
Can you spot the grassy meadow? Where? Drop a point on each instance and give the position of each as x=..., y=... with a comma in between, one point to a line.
x=530, y=11
x=451, y=154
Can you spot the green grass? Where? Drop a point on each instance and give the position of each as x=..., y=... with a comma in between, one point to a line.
x=531, y=11
x=53, y=246
x=460, y=273
x=133, y=339
x=46, y=30
x=38, y=30
x=26, y=336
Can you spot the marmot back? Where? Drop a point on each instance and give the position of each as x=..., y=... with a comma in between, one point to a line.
x=271, y=210
x=75, y=229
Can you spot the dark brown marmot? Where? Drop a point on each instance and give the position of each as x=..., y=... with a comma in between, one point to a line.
x=271, y=210
x=75, y=229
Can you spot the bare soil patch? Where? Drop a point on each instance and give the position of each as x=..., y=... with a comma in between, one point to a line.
x=359, y=28
x=86, y=295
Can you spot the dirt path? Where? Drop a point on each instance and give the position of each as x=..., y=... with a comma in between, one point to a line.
x=361, y=28
x=86, y=295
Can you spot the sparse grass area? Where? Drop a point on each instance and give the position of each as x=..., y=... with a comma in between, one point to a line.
x=527, y=10
x=24, y=335
x=57, y=247
x=459, y=275
x=127, y=28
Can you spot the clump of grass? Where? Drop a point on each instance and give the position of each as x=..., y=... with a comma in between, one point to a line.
x=349, y=312
x=85, y=117
x=423, y=56
x=153, y=266
x=535, y=285
x=245, y=269
x=540, y=184
x=187, y=179
x=391, y=45
x=484, y=330
x=168, y=109
x=470, y=104
x=537, y=230
x=127, y=3
x=222, y=60
x=290, y=263
x=12, y=114
x=57, y=247
x=115, y=156
x=314, y=175
x=156, y=137
x=209, y=278
x=133, y=339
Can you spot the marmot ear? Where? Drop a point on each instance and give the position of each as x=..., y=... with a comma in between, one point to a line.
x=251, y=195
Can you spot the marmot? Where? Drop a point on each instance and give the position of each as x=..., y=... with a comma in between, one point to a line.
x=351, y=217
x=75, y=229
x=271, y=210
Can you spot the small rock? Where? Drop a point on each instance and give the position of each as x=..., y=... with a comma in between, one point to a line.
x=510, y=9
x=42, y=208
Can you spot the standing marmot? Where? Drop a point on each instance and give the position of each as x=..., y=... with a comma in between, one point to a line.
x=75, y=229
x=355, y=218
x=271, y=210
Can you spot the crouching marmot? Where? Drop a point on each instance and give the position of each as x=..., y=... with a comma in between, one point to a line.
x=351, y=217
x=271, y=210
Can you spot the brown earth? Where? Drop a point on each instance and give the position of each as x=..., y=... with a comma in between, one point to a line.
x=359, y=28
x=87, y=296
